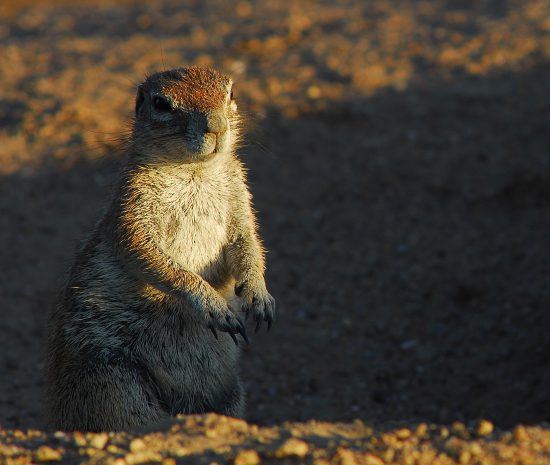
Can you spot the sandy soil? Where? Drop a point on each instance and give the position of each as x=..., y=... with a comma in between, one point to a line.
x=215, y=440
x=399, y=159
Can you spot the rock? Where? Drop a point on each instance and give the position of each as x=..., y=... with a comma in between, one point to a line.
x=247, y=457
x=47, y=454
x=344, y=457
x=292, y=447
x=142, y=457
x=371, y=459
x=460, y=430
x=314, y=92
x=464, y=457
x=475, y=449
x=520, y=433
x=137, y=445
x=403, y=433
x=421, y=429
x=60, y=435
x=484, y=428
x=98, y=441
x=79, y=439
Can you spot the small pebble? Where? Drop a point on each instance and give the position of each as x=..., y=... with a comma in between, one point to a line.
x=388, y=455
x=520, y=433
x=475, y=449
x=142, y=457
x=460, y=430
x=345, y=457
x=247, y=457
x=79, y=439
x=313, y=92
x=421, y=429
x=47, y=454
x=484, y=428
x=403, y=433
x=292, y=447
x=137, y=445
x=464, y=457
x=98, y=441
x=371, y=459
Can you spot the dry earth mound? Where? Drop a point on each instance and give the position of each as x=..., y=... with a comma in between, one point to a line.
x=213, y=440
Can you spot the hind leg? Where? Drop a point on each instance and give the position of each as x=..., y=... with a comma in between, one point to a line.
x=103, y=398
x=233, y=404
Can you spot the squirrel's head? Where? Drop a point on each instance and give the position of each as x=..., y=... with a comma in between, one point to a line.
x=188, y=114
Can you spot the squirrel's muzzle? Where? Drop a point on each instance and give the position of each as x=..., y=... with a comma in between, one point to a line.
x=207, y=132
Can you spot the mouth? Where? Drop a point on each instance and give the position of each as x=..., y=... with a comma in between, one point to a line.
x=199, y=148
x=210, y=144
x=209, y=151
x=213, y=145
x=205, y=153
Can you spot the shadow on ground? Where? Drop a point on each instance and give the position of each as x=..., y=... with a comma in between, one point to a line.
x=408, y=252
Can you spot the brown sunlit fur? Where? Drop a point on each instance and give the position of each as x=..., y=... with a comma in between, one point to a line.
x=145, y=326
x=198, y=88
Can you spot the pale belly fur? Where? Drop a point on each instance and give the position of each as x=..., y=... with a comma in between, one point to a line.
x=194, y=230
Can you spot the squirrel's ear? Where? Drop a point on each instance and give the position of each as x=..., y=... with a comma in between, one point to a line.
x=140, y=98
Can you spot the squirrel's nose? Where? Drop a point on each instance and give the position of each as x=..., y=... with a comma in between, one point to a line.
x=216, y=123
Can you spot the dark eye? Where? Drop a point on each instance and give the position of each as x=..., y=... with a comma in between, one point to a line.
x=232, y=95
x=161, y=104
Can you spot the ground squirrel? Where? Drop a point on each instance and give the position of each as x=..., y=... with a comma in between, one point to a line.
x=135, y=336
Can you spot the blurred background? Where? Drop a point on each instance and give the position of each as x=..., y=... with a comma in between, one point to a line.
x=399, y=160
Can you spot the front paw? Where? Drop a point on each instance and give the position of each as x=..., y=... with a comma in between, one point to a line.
x=258, y=302
x=219, y=316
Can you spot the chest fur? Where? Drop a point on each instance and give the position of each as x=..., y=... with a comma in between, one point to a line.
x=194, y=220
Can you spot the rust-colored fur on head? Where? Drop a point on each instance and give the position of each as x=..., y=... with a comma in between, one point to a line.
x=193, y=88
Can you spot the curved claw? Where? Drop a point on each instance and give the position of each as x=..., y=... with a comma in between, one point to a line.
x=258, y=324
x=242, y=330
x=269, y=314
x=211, y=328
x=234, y=339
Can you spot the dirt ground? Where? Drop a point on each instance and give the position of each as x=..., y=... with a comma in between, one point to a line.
x=214, y=440
x=399, y=156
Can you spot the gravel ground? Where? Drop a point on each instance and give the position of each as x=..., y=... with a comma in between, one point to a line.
x=399, y=160
x=215, y=440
